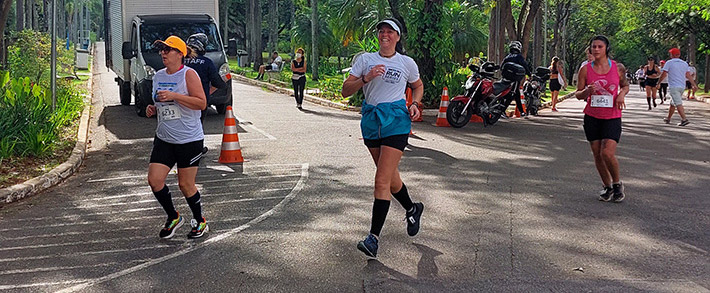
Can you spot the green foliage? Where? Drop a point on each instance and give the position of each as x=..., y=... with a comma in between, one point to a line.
x=29, y=125
x=30, y=56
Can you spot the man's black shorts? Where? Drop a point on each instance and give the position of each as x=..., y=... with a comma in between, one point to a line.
x=598, y=129
x=396, y=141
x=185, y=155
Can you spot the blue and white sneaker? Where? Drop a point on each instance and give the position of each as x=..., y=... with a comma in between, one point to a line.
x=368, y=246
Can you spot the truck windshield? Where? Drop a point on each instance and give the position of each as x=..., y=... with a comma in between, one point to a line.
x=152, y=32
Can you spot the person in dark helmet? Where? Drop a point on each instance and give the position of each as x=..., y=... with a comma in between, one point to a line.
x=515, y=47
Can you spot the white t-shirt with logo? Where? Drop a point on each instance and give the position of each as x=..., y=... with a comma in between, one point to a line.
x=389, y=87
x=676, y=69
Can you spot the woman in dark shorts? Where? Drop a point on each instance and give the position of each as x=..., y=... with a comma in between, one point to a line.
x=555, y=86
x=603, y=85
x=386, y=123
x=653, y=72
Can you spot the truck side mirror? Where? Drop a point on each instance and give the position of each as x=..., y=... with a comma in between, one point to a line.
x=127, y=51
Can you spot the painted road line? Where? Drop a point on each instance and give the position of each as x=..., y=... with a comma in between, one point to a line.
x=66, y=268
x=245, y=123
x=64, y=234
x=129, y=203
x=161, y=246
x=45, y=284
x=296, y=190
x=250, y=175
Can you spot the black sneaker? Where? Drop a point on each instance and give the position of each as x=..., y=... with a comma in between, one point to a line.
x=198, y=229
x=684, y=122
x=414, y=218
x=606, y=193
x=170, y=226
x=618, y=190
x=368, y=246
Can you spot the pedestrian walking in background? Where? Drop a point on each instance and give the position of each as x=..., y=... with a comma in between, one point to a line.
x=179, y=99
x=557, y=80
x=603, y=85
x=641, y=77
x=678, y=72
x=653, y=72
x=386, y=123
x=663, y=86
x=688, y=84
x=205, y=68
x=298, y=67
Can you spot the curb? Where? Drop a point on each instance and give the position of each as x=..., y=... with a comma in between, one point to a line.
x=307, y=97
x=704, y=99
x=61, y=172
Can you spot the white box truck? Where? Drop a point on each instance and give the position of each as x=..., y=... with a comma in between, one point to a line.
x=132, y=26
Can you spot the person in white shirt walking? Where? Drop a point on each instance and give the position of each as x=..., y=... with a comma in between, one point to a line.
x=688, y=85
x=677, y=71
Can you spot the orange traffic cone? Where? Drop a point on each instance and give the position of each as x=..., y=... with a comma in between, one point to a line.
x=522, y=101
x=441, y=118
x=231, y=151
x=410, y=100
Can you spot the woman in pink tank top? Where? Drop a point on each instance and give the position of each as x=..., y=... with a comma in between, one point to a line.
x=603, y=85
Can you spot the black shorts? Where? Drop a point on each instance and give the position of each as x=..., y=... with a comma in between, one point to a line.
x=642, y=82
x=185, y=155
x=652, y=82
x=396, y=141
x=688, y=85
x=598, y=129
x=555, y=85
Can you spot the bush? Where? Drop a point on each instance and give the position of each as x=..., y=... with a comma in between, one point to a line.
x=30, y=56
x=28, y=124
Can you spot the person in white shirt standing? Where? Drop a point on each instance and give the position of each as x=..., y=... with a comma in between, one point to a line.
x=677, y=71
x=688, y=85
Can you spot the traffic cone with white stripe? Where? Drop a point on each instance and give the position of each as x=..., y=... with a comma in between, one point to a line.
x=441, y=118
x=231, y=151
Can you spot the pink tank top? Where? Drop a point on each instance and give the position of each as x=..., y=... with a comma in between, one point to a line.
x=609, y=83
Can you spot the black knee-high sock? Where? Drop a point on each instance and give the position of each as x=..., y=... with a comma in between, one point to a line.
x=402, y=196
x=166, y=201
x=195, y=206
x=648, y=99
x=379, y=214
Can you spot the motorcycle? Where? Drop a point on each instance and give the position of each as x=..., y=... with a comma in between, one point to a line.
x=533, y=89
x=483, y=97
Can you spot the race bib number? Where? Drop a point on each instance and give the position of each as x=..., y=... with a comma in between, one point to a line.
x=168, y=111
x=602, y=101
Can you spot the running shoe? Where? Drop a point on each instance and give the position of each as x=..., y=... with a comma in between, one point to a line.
x=606, y=193
x=198, y=229
x=684, y=122
x=170, y=226
x=666, y=120
x=618, y=195
x=368, y=246
x=414, y=218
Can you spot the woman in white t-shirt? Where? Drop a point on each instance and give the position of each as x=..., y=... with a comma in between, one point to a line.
x=386, y=123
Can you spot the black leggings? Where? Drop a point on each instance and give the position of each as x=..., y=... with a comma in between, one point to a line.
x=299, y=85
x=663, y=91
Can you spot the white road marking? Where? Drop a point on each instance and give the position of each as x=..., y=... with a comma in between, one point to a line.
x=297, y=189
x=11, y=287
x=250, y=125
x=64, y=268
x=198, y=179
x=87, y=253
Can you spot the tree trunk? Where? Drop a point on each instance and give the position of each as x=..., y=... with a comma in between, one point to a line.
x=273, y=25
x=493, y=28
x=692, y=48
x=20, y=14
x=314, y=39
x=225, y=30
x=527, y=26
x=255, y=17
x=5, y=6
x=538, y=39
x=707, y=72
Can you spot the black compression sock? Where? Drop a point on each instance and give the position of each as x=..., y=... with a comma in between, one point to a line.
x=195, y=206
x=379, y=214
x=402, y=196
x=166, y=201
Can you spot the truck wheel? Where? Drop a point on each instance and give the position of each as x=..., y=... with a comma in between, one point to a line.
x=140, y=104
x=124, y=91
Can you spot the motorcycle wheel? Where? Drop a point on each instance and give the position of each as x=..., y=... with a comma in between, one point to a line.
x=456, y=115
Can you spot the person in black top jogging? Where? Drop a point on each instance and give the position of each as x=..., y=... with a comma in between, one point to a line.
x=653, y=72
x=298, y=67
x=515, y=57
x=204, y=66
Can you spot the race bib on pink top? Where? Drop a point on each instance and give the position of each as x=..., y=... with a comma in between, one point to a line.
x=602, y=103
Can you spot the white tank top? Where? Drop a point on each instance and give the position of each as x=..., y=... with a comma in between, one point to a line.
x=177, y=124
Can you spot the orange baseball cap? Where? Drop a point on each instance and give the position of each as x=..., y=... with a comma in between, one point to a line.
x=174, y=42
x=674, y=51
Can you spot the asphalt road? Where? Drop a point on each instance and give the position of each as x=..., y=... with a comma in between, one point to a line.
x=511, y=207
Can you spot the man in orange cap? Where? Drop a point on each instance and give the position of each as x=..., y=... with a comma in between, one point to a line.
x=677, y=72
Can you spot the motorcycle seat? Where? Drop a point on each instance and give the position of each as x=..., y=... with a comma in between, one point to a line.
x=500, y=86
